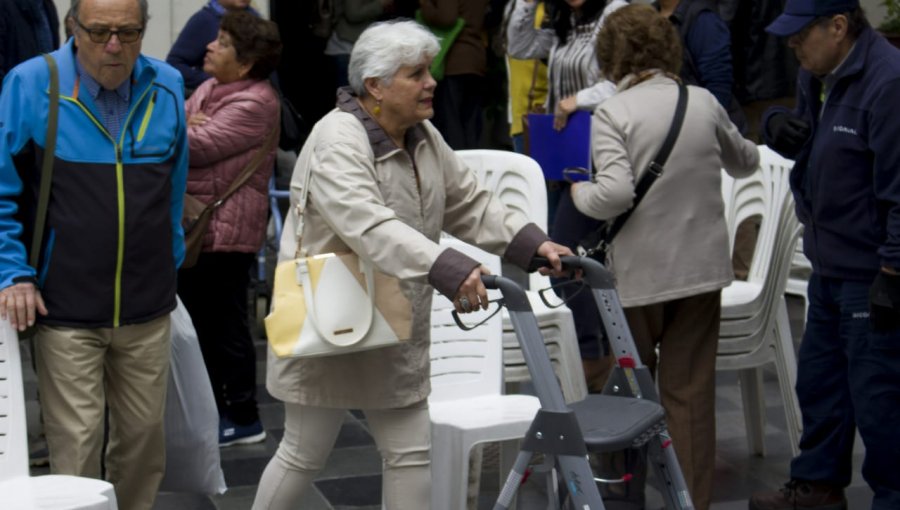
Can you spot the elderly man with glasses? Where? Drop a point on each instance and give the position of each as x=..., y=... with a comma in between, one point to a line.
x=846, y=182
x=97, y=284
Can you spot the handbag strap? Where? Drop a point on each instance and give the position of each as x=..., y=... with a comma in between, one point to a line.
x=47, y=163
x=301, y=208
x=248, y=170
x=655, y=168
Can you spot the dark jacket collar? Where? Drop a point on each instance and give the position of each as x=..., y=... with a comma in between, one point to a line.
x=853, y=63
x=382, y=145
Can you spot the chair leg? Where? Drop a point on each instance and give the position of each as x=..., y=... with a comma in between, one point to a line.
x=751, y=383
x=509, y=451
x=449, y=469
x=473, y=482
x=786, y=367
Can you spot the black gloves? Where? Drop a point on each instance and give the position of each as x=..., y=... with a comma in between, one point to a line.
x=787, y=133
x=884, y=302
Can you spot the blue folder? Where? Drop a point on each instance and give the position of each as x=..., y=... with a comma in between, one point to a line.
x=556, y=150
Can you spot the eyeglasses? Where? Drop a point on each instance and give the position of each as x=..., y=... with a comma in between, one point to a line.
x=102, y=35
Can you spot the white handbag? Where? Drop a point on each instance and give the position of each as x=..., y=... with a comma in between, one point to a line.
x=332, y=304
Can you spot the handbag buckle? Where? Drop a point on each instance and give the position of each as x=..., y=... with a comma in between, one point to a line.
x=302, y=269
x=655, y=168
x=602, y=247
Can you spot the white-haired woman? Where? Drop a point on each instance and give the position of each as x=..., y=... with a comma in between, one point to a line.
x=384, y=184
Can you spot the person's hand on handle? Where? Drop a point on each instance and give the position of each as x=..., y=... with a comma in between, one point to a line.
x=472, y=293
x=552, y=252
x=564, y=108
x=19, y=302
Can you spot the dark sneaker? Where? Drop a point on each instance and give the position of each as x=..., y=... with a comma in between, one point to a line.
x=801, y=495
x=231, y=433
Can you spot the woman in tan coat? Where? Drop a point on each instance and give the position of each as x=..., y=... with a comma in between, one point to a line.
x=384, y=184
x=671, y=258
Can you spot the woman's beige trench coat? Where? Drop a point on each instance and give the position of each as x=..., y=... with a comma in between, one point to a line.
x=368, y=196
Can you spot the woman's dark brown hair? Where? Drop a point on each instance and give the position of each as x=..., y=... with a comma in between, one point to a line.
x=255, y=40
x=636, y=38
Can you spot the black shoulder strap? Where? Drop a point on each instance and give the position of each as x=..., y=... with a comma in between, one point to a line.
x=655, y=169
x=47, y=164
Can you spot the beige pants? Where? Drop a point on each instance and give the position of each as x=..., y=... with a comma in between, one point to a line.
x=403, y=437
x=82, y=371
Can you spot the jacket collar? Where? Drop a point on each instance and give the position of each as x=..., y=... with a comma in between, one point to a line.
x=220, y=90
x=648, y=75
x=347, y=101
x=853, y=63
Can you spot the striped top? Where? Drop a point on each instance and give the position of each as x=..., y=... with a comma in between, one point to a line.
x=573, y=66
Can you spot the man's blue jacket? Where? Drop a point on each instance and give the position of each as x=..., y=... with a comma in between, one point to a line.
x=846, y=178
x=113, y=236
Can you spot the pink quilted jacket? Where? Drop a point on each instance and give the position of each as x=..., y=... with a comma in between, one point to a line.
x=241, y=114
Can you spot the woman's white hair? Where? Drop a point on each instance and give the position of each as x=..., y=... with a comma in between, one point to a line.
x=385, y=47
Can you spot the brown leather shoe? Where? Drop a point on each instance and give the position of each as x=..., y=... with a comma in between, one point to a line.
x=800, y=495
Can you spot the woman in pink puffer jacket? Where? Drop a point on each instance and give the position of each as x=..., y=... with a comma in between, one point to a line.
x=231, y=117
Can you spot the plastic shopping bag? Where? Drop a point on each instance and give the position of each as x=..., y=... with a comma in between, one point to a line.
x=191, y=420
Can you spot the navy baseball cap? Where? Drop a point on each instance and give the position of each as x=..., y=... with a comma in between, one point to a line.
x=800, y=13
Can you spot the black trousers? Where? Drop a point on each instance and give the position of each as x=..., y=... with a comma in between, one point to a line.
x=215, y=294
x=570, y=227
x=457, y=110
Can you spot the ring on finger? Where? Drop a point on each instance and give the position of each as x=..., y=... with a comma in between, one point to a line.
x=465, y=304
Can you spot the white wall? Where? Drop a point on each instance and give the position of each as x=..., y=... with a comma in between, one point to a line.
x=167, y=17
x=874, y=11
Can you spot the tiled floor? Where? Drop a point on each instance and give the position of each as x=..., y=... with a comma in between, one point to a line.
x=351, y=480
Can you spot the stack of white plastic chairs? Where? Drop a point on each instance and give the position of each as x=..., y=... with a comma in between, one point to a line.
x=755, y=328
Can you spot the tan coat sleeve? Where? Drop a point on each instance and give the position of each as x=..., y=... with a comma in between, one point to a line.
x=612, y=191
x=472, y=213
x=345, y=194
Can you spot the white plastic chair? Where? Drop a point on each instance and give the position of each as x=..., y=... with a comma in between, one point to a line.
x=755, y=329
x=558, y=330
x=798, y=277
x=466, y=404
x=515, y=178
x=519, y=183
x=19, y=491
